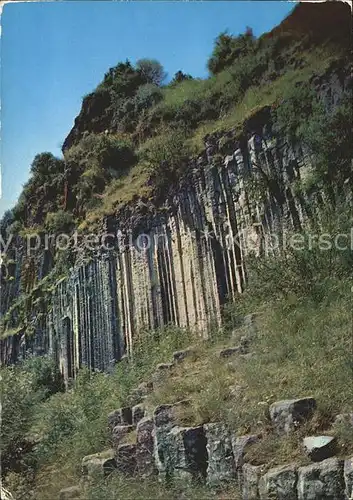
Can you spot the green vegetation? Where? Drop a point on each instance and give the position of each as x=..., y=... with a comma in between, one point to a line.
x=117, y=487
x=70, y=425
x=58, y=222
x=302, y=300
x=23, y=389
x=104, y=165
x=28, y=310
x=134, y=137
x=303, y=306
x=152, y=71
x=229, y=49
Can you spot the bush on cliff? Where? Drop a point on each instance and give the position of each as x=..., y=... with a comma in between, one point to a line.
x=167, y=153
x=229, y=49
x=60, y=221
x=328, y=136
x=151, y=70
x=326, y=132
x=92, y=164
x=43, y=192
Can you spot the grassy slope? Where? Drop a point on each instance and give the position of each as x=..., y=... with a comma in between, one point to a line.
x=315, y=62
x=302, y=348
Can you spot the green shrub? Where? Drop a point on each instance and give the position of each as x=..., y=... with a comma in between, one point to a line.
x=295, y=107
x=179, y=77
x=101, y=152
x=45, y=375
x=228, y=49
x=166, y=153
x=245, y=74
x=15, y=227
x=73, y=424
x=92, y=164
x=6, y=220
x=328, y=136
x=60, y=221
x=147, y=95
x=23, y=390
x=307, y=271
x=17, y=406
x=46, y=165
x=123, y=79
x=302, y=118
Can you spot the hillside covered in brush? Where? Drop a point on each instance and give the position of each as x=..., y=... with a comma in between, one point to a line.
x=135, y=134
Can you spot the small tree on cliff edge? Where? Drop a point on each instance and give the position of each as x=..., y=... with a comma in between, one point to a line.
x=152, y=71
x=229, y=48
x=180, y=77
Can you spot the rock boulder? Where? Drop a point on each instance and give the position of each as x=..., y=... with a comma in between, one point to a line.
x=121, y=416
x=179, y=356
x=100, y=464
x=279, y=483
x=239, y=446
x=323, y=481
x=119, y=433
x=220, y=454
x=348, y=477
x=125, y=459
x=287, y=415
x=145, y=447
x=69, y=493
x=138, y=412
x=320, y=447
x=249, y=481
x=187, y=455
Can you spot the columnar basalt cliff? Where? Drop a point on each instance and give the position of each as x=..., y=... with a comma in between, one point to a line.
x=178, y=260
x=175, y=264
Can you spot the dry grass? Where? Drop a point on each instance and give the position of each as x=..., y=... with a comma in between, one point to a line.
x=119, y=193
x=117, y=487
x=301, y=351
x=51, y=480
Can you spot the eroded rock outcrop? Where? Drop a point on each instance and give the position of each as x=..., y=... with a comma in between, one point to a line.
x=176, y=263
x=320, y=447
x=145, y=448
x=250, y=478
x=174, y=259
x=279, y=483
x=348, y=477
x=99, y=464
x=69, y=493
x=220, y=454
x=213, y=455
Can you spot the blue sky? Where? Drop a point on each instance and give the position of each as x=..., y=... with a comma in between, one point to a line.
x=55, y=53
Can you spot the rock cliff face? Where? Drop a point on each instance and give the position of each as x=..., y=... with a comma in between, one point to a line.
x=177, y=261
